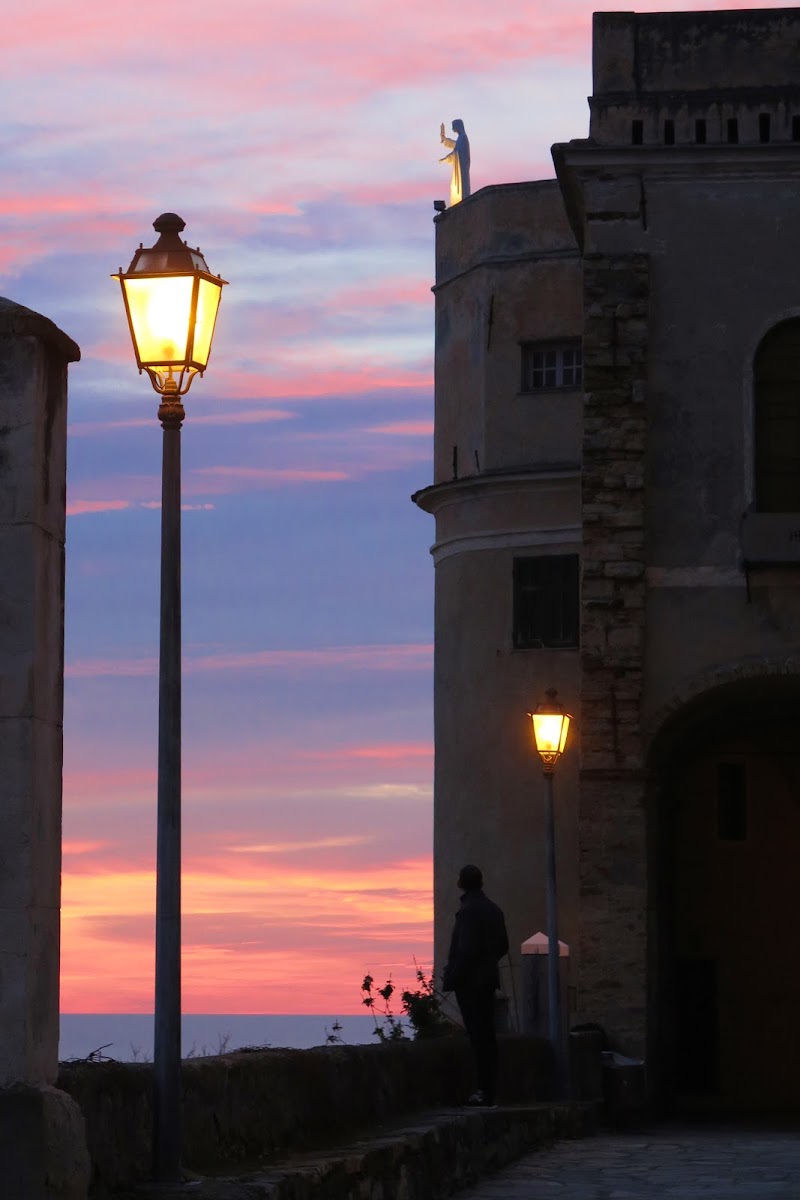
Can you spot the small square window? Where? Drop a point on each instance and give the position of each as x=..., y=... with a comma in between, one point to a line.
x=558, y=365
x=546, y=602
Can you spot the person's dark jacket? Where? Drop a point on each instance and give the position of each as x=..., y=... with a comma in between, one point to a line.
x=478, y=943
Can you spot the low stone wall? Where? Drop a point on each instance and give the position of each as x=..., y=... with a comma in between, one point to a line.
x=253, y=1106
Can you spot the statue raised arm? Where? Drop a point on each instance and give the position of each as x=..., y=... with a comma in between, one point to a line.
x=459, y=160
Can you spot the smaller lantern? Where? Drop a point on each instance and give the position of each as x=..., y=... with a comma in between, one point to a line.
x=171, y=300
x=550, y=729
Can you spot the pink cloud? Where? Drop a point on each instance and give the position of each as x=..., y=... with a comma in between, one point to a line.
x=390, y=293
x=70, y=846
x=373, y=658
x=242, y=416
x=391, y=752
x=226, y=479
x=77, y=508
x=292, y=382
x=403, y=428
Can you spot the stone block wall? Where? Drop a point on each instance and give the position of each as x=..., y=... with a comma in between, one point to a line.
x=613, y=879
x=257, y=1106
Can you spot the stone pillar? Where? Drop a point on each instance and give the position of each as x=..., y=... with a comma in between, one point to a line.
x=612, y=983
x=42, y=1139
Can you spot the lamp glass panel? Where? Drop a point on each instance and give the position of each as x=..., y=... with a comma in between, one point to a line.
x=550, y=732
x=160, y=311
x=207, y=304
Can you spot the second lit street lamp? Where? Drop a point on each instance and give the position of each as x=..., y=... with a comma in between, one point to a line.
x=550, y=729
x=171, y=300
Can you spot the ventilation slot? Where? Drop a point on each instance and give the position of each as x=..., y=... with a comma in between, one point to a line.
x=669, y=133
x=733, y=131
x=637, y=133
x=763, y=127
x=700, y=131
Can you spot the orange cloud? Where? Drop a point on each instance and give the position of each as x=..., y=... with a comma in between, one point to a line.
x=292, y=939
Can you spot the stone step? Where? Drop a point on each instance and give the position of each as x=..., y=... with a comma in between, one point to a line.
x=429, y=1156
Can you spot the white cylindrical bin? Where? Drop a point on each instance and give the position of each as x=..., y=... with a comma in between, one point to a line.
x=535, y=1017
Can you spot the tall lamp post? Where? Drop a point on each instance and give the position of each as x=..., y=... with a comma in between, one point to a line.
x=550, y=729
x=171, y=301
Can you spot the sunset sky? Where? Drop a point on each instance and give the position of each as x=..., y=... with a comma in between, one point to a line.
x=299, y=140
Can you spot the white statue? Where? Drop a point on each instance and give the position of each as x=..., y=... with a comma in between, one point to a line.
x=459, y=157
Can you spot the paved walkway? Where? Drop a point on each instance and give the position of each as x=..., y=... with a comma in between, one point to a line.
x=668, y=1163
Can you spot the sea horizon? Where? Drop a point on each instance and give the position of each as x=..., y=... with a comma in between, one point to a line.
x=128, y=1037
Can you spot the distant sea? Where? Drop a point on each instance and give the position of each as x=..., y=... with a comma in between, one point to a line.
x=128, y=1037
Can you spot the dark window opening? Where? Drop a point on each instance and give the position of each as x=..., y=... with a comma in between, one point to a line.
x=776, y=402
x=763, y=127
x=669, y=133
x=637, y=133
x=731, y=802
x=700, y=131
x=733, y=130
x=546, y=602
x=559, y=365
x=796, y=129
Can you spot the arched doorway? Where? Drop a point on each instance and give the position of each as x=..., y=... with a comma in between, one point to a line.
x=725, y=976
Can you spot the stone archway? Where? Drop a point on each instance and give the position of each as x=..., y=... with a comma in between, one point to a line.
x=724, y=972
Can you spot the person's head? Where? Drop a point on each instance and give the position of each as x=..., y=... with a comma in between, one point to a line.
x=470, y=878
x=458, y=126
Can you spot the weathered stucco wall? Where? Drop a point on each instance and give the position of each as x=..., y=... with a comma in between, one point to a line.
x=508, y=271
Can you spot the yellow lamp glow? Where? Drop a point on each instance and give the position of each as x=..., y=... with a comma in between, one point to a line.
x=550, y=729
x=171, y=300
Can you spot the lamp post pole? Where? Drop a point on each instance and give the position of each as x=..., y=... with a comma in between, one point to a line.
x=171, y=301
x=167, y=1038
x=553, y=964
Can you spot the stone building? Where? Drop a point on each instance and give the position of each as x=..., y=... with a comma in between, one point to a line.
x=617, y=502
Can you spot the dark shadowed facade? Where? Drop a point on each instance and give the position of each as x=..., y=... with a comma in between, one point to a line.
x=617, y=502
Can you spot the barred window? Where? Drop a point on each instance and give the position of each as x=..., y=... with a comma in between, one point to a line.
x=546, y=602
x=557, y=365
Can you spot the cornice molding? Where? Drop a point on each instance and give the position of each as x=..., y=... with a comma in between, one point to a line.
x=438, y=495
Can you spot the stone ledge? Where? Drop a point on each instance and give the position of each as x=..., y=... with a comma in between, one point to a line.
x=431, y=1156
x=263, y=1106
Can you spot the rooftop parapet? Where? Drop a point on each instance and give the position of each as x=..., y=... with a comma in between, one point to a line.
x=500, y=224
x=655, y=73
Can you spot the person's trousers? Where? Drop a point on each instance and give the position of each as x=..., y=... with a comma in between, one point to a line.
x=477, y=1012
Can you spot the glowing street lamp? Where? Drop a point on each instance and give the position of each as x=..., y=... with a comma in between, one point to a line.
x=171, y=301
x=550, y=729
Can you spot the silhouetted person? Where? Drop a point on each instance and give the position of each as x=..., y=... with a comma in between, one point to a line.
x=478, y=943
